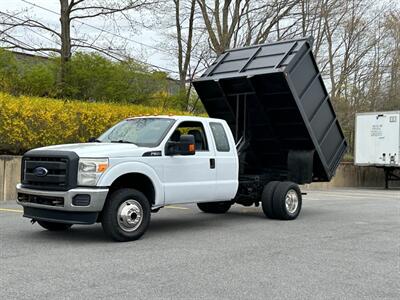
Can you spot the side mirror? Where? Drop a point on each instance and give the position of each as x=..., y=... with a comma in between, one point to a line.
x=185, y=146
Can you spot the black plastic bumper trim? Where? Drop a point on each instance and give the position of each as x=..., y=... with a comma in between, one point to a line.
x=60, y=216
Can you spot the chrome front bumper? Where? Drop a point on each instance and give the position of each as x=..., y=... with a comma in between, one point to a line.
x=97, y=199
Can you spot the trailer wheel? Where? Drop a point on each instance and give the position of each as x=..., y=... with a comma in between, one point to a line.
x=126, y=215
x=215, y=207
x=267, y=197
x=287, y=201
x=53, y=226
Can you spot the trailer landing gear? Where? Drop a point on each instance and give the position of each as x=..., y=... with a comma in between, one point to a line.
x=391, y=175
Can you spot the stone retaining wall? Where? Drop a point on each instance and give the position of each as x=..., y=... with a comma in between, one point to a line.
x=347, y=175
x=10, y=173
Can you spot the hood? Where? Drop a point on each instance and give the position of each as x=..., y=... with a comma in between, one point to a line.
x=99, y=149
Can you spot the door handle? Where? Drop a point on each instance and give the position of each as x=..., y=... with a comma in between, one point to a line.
x=212, y=163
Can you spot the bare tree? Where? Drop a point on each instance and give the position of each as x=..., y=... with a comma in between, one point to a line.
x=221, y=22
x=70, y=11
x=393, y=29
x=350, y=43
x=231, y=23
x=178, y=20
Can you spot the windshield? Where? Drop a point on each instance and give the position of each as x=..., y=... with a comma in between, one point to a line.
x=145, y=132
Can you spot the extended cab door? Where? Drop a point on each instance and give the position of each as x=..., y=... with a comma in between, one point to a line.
x=226, y=161
x=191, y=178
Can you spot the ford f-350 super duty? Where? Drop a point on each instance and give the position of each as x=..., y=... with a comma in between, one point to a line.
x=271, y=127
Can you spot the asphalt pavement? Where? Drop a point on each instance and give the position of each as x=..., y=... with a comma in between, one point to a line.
x=344, y=245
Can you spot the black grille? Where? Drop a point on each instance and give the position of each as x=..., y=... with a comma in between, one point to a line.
x=61, y=170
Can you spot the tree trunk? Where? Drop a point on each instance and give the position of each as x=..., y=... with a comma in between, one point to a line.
x=65, y=42
x=184, y=55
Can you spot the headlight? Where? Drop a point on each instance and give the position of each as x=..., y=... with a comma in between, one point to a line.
x=90, y=170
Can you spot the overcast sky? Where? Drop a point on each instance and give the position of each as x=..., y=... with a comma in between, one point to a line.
x=136, y=45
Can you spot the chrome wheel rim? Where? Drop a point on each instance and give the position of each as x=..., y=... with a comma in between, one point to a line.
x=291, y=201
x=130, y=215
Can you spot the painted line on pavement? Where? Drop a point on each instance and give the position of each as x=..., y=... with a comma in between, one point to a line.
x=11, y=210
x=387, y=195
x=343, y=196
x=176, y=207
x=349, y=193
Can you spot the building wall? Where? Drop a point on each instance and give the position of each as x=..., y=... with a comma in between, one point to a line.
x=29, y=58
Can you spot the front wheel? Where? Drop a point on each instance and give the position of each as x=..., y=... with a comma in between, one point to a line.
x=53, y=226
x=126, y=215
x=215, y=207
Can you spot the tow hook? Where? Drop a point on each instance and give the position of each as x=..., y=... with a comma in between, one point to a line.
x=33, y=221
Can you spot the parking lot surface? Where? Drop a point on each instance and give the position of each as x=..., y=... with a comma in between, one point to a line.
x=344, y=245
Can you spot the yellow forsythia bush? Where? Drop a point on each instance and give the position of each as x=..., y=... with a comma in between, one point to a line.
x=31, y=122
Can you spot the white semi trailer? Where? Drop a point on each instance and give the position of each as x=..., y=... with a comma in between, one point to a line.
x=377, y=142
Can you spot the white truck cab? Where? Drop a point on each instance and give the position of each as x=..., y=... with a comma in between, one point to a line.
x=160, y=160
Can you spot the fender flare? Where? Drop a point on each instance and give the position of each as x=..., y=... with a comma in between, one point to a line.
x=120, y=169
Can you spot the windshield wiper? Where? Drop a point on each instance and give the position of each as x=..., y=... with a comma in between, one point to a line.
x=94, y=140
x=123, y=141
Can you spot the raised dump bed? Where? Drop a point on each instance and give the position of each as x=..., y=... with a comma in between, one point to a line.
x=276, y=104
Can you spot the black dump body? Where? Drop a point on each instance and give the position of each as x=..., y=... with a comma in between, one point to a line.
x=276, y=104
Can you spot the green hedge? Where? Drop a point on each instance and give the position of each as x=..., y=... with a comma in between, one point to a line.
x=31, y=122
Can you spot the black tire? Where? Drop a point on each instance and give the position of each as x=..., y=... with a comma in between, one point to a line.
x=53, y=226
x=283, y=190
x=215, y=207
x=128, y=204
x=267, y=197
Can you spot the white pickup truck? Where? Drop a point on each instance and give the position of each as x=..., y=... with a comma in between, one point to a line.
x=135, y=168
x=272, y=127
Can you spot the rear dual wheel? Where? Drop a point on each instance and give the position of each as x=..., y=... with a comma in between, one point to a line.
x=281, y=200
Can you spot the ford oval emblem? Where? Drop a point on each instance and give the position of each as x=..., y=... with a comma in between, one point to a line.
x=40, y=171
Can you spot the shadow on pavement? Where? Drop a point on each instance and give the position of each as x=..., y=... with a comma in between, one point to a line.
x=76, y=234
x=160, y=225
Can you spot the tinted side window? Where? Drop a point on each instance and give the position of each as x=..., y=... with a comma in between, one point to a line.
x=221, y=140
